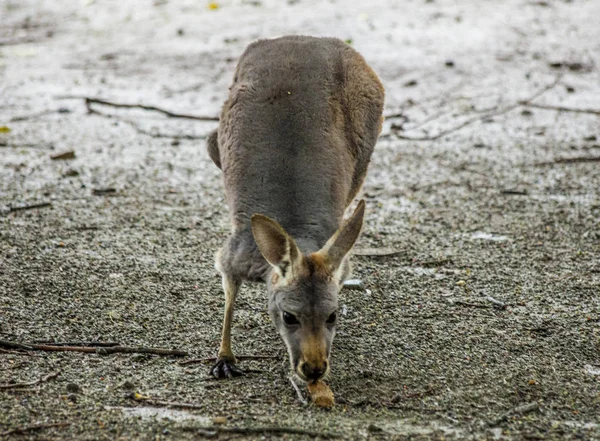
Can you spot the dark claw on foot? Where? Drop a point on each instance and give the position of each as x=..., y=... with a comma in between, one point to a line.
x=225, y=369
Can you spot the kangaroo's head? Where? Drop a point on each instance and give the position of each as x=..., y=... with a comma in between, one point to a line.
x=303, y=290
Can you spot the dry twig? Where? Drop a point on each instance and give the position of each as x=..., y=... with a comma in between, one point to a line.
x=89, y=101
x=576, y=160
x=497, y=303
x=94, y=350
x=38, y=114
x=78, y=343
x=238, y=357
x=526, y=408
x=481, y=117
x=210, y=430
x=32, y=428
x=560, y=108
x=10, y=351
x=31, y=207
x=30, y=383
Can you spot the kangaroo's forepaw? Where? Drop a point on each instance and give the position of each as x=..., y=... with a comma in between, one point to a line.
x=225, y=369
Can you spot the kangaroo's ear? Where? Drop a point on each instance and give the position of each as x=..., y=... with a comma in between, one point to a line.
x=340, y=244
x=276, y=246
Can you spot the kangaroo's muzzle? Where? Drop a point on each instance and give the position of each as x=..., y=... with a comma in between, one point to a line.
x=313, y=372
x=313, y=363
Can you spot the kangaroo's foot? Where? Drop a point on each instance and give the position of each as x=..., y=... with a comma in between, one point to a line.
x=225, y=368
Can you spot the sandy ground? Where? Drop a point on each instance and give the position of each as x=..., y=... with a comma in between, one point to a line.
x=504, y=210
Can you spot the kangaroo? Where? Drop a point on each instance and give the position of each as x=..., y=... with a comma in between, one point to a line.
x=294, y=141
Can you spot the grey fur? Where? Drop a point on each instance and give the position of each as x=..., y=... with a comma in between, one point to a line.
x=294, y=142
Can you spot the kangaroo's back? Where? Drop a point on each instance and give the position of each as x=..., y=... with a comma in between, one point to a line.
x=297, y=132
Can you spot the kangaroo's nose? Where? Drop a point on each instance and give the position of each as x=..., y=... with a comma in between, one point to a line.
x=313, y=372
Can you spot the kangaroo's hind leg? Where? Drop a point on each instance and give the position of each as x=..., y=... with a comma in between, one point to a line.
x=225, y=366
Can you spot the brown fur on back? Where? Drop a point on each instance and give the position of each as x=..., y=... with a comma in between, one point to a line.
x=294, y=142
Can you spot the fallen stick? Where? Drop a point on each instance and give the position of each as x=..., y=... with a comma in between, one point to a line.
x=14, y=345
x=18, y=146
x=146, y=132
x=496, y=112
x=209, y=430
x=516, y=411
x=514, y=192
x=33, y=428
x=30, y=383
x=140, y=350
x=30, y=207
x=89, y=101
x=298, y=392
x=63, y=156
x=239, y=357
x=10, y=351
x=37, y=115
x=497, y=303
x=569, y=161
x=561, y=108
x=468, y=304
x=100, y=344
x=95, y=350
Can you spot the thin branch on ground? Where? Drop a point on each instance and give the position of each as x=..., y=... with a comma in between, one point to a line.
x=569, y=161
x=10, y=351
x=158, y=403
x=238, y=357
x=428, y=120
x=78, y=343
x=526, y=408
x=142, y=131
x=94, y=350
x=90, y=100
x=14, y=345
x=395, y=116
x=38, y=114
x=157, y=134
x=30, y=383
x=30, y=207
x=560, y=108
x=33, y=428
x=209, y=430
x=468, y=304
x=481, y=117
x=138, y=350
x=497, y=303
x=298, y=392
x=514, y=192
x=18, y=146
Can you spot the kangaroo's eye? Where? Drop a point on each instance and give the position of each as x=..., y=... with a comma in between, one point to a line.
x=290, y=319
x=331, y=318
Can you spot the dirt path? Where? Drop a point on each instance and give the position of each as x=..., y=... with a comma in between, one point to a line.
x=485, y=322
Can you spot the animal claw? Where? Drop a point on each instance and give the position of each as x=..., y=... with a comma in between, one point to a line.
x=225, y=369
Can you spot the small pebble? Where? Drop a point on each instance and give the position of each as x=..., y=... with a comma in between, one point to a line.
x=128, y=385
x=73, y=388
x=354, y=284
